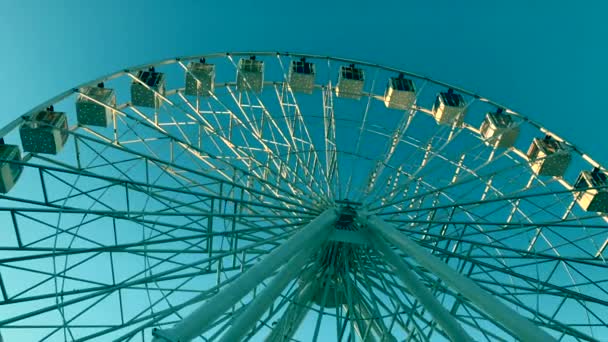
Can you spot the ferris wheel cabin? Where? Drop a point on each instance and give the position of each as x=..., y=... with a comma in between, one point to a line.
x=45, y=132
x=548, y=157
x=499, y=129
x=449, y=108
x=200, y=78
x=250, y=75
x=400, y=93
x=94, y=106
x=145, y=95
x=594, y=190
x=350, y=82
x=302, y=76
x=9, y=170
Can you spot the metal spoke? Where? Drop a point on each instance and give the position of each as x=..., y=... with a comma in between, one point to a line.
x=277, y=196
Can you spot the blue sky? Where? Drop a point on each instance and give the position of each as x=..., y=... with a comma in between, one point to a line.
x=545, y=59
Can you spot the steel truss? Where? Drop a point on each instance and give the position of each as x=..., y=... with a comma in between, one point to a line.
x=287, y=215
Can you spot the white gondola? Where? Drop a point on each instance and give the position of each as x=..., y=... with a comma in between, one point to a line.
x=302, y=76
x=548, y=157
x=250, y=75
x=200, y=78
x=45, y=132
x=400, y=93
x=499, y=129
x=594, y=194
x=146, y=95
x=89, y=108
x=350, y=82
x=449, y=108
x=9, y=170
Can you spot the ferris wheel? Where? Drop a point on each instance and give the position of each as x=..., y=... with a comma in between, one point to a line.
x=289, y=197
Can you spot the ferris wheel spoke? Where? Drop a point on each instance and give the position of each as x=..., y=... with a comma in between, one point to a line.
x=168, y=170
x=417, y=313
x=155, y=317
x=265, y=300
x=181, y=172
x=391, y=288
x=457, y=181
x=488, y=334
x=329, y=134
x=67, y=323
x=565, y=241
x=275, y=162
x=151, y=225
x=74, y=191
x=507, y=251
x=257, y=130
x=301, y=171
x=429, y=154
x=265, y=179
x=501, y=225
x=429, y=302
x=475, y=219
x=500, y=242
x=550, y=323
x=473, y=320
x=540, y=225
x=133, y=214
x=507, y=197
x=50, y=276
x=243, y=154
x=394, y=292
x=20, y=298
x=457, y=281
x=142, y=119
x=167, y=312
x=105, y=188
x=522, y=291
x=299, y=133
x=324, y=296
x=294, y=315
x=486, y=268
x=130, y=248
x=507, y=295
x=206, y=126
x=360, y=135
x=352, y=315
x=265, y=322
x=423, y=190
x=52, y=252
x=274, y=128
x=546, y=209
x=374, y=303
x=390, y=150
x=129, y=282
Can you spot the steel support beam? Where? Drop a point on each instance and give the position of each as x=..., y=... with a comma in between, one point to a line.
x=519, y=326
x=370, y=326
x=247, y=319
x=309, y=237
x=294, y=315
x=441, y=315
